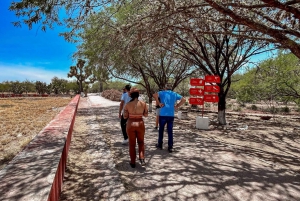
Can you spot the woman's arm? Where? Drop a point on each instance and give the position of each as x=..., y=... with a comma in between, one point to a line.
x=126, y=113
x=145, y=110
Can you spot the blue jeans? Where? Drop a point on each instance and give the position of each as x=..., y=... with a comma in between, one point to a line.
x=163, y=120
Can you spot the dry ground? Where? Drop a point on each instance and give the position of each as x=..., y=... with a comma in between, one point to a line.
x=249, y=159
x=22, y=118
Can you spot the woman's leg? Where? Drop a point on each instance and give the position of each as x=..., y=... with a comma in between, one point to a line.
x=131, y=132
x=140, y=140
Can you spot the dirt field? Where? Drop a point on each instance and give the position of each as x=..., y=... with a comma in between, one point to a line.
x=23, y=118
x=249, y=159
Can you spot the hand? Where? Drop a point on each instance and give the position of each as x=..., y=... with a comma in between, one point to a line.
x=161, y=104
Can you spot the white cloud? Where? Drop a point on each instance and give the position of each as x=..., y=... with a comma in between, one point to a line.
x=22, y=72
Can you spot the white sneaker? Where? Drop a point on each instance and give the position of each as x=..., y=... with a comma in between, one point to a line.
x=125, y=141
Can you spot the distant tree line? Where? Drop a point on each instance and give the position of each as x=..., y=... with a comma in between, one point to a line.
x=57, y=86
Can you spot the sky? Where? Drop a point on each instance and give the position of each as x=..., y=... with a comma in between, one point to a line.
x=32, y=55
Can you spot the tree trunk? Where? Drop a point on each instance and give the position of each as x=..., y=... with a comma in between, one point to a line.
x=222, y=108
x=150, y=103
x=101, y=86
x=80, y=86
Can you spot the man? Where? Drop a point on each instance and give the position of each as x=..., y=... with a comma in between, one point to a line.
x=167, y=102
x=157, y=113
x=124, y=100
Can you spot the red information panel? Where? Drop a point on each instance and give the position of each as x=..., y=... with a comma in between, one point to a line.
x=212, y=88
x=197, y=91
x=196, y=101
x=212, y=79
x=211, y=98
x=197, y=82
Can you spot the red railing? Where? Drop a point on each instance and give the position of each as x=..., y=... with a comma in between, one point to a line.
x=37, y=172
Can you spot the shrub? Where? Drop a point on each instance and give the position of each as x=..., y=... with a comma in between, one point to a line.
x=238, y=109
x=285, y=109
x=253, y=107
x=242, y=104
x=112, y=94
x=272, y=110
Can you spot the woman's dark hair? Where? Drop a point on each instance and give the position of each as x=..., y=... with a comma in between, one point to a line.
x=134, y=95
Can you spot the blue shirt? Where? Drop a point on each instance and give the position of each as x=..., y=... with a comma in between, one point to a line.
x=169, y=99
x=126, y=98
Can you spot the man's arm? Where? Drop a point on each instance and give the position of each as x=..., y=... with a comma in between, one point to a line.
x=120, y=108
x=155, y=96
x=181, y=102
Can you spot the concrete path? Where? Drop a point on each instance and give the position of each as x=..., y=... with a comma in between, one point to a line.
x=200, y=168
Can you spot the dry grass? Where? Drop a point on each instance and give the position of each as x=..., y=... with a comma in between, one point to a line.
x=23, y=118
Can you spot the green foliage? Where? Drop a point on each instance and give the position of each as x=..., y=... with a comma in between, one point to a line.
x=81, y=73
x=285, y=109
x=72, y=86
x=275, y=79
x=28, y=86
x=272, y=110
x=17, y=87
x=59, y=85
x=41, y=87
x=253, y=107
x=5, y=87
x=183, y=87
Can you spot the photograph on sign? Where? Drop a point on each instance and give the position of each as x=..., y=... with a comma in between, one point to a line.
x=212, y=88
x=196, y=101
x=212, y=79
x=196, y=91
x=197, y=82
x=211, y=98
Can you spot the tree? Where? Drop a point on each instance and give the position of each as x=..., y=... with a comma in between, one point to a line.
x=17, y=87
x=278, y=20
x=28, y=86
x=213, y=53
x=138, y=64
x=41, y=87
x=58, y=85
x=274, y=79
x=72, y=86
x=81, y=73
x=5, y=86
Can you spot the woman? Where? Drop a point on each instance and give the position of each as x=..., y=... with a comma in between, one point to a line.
x=135, y=110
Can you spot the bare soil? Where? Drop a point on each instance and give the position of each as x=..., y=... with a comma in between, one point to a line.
x=248, y=159
x=23, y=118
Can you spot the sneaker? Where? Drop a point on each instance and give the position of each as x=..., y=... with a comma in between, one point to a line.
x=125, y=141
x=155, y=128
x=142, y=162
x=158, y=146
x=132, y=165
x=170, y=150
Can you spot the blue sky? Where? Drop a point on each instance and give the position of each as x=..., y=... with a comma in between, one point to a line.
x=32, y=55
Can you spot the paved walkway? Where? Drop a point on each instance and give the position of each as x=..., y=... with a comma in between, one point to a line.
x=201, y=168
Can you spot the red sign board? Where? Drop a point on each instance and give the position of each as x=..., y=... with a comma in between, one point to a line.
x=212, y=88
x=211, y=98
x=212, y=79
x=197, y=91
x=196, y=101
x=197, y=82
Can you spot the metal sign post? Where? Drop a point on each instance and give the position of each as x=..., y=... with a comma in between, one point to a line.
x=207, y=92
